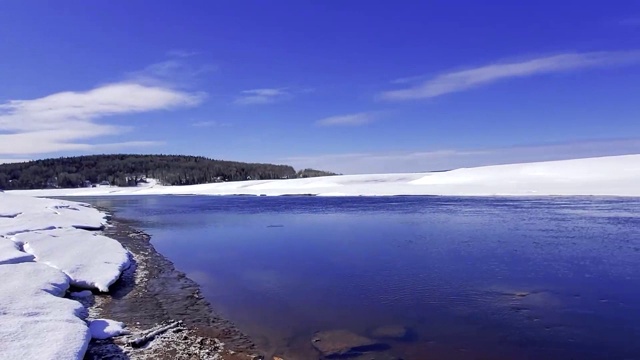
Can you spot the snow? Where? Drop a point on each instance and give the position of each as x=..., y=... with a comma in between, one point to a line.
x=91, y=261
x=37, y=323
x=105, y=328
x=43, y=249
x=10, y=252
x=606, y=176
x=45, y=214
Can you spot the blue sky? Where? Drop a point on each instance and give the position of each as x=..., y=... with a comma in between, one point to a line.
x=349, y=86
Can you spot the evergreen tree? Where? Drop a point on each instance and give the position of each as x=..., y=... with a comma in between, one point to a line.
x=128, y=170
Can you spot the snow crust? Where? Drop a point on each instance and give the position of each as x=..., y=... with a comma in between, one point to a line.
x=37, y=323
x=606, y=176
x=105, y=328
x=10, y=252
x=91, y=261
x=45, y=214
x=43, y=249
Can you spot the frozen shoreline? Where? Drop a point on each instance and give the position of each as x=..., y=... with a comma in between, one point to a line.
x=52, y=249
x=46, y=247
x=152, y=294
x=604, y=176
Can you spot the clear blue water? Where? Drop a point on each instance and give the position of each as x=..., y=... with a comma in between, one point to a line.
x=472, y=278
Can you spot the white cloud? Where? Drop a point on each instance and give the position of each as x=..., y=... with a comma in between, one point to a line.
x=347, y=120
x=262, y=96
x=59, y=122
x=420, y=161
x=467, y=79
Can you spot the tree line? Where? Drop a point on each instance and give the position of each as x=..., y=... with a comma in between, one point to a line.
x=130, y=169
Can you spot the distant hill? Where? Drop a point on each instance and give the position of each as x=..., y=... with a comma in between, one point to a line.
x=128, y=170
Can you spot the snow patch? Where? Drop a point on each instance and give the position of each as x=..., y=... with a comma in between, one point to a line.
x=90, y=260
x=105, y=328
x=46, y=214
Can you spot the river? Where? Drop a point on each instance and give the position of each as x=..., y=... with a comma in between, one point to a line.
x=468, y=278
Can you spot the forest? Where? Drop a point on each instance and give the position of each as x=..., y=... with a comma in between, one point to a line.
x=130, y=169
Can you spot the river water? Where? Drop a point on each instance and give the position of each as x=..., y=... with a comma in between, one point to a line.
x=469, y=278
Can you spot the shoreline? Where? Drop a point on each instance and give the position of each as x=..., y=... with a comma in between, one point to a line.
x=601, y=176
x=153, y=293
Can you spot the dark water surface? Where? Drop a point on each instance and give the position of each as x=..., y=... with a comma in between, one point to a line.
x=472, y=278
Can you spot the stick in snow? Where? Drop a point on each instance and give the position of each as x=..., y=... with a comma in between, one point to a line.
x=139, y=342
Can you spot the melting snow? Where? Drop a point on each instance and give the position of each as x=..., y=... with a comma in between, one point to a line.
x=105, y=328
x=91, y=261
x=43, y=250
x=37, y=323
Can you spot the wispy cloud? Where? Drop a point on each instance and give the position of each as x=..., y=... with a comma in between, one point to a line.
x=203, y=124
x=172, y=72
x=420, y=161
x=181, y=53
x=467, y=79
x=62, y=121
x=348, y=120
x=262, y=96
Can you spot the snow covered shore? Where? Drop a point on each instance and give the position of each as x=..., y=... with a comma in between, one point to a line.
x=606, y=176
x=44, y=248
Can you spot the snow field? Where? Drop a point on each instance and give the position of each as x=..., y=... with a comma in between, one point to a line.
x=604, y=176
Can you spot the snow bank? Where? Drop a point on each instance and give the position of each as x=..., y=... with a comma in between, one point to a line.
x=613, y=175
x=90, y=260
x=36, y=322
x=44, y=249
x=10, y=252
x=105, y=328
x=18, y=214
